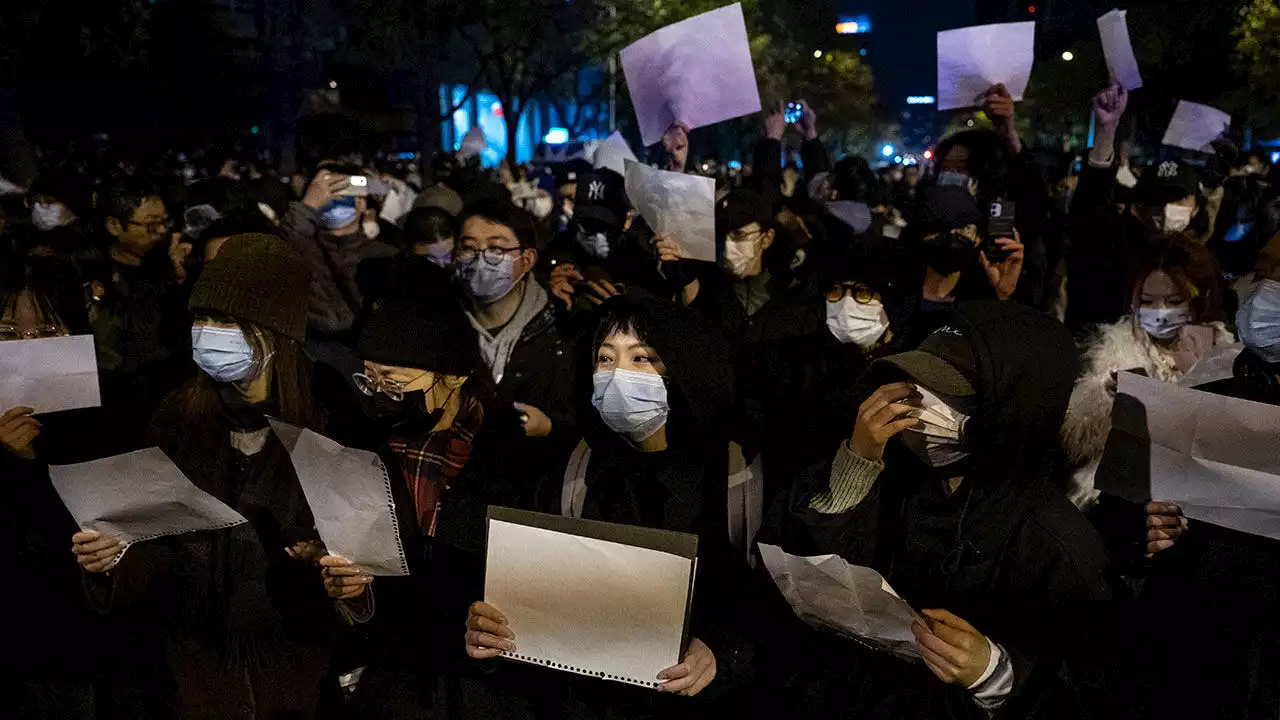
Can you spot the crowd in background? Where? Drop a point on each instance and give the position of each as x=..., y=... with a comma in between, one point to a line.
x=923, y=380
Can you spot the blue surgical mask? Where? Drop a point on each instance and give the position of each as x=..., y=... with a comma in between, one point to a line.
x=440, y=255
x=223, y=353
x=338, y=213
x=485, y=283
x=630, y=403
x=1258, y=320
x=948, y=178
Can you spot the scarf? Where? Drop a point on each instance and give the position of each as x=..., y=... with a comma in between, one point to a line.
x=496, y=349
x=428, y=461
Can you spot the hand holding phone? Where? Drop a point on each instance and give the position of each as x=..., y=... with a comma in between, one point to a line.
x=357, y=186
x=1000, y=224
x=793, y=112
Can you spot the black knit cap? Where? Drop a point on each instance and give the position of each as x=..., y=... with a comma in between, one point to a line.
x=258, y=278
x=420, y=324
x=739, y=209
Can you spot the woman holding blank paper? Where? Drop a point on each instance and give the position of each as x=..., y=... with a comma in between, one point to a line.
x=655, y=455
x=240, y=615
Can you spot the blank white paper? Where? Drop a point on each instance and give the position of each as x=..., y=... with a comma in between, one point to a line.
x=349, y=493
x=1215, y=456
x=1194, y=126
x=49, y=374
x=613, y=153
x=138, y=496
x=1118, y=50
x=697, y=71
x=972, y=59
x=828, y=592
x=589, y=606
x=680, y=206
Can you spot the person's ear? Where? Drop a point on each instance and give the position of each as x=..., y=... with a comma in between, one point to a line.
x=528, y=259
x=768, y=240
x=114, y=227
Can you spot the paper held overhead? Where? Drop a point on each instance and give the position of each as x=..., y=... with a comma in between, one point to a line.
x=350, y=496
x=681, y=207
x=972, y=59
x=613, y=153
x=1194, y=126
x=49, y=374
x=138, y=496
x=1122, y=66
x=697, y=72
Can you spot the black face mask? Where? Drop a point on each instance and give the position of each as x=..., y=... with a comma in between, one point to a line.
x=949, y=252
x=398, y=414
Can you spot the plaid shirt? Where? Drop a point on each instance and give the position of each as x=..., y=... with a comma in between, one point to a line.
x=430, y=461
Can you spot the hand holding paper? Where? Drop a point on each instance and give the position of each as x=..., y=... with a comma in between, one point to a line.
x=973, y=59
x=677, y=206
x=697, y=72
x=827, y=592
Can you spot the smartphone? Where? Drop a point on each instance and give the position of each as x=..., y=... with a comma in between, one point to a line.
x=357, y=186
x=793, y=112
x=1000, y=220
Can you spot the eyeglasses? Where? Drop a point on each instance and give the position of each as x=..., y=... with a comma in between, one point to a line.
x=862, y=294
x=739, y=236
x=153, y=226
x=371, y=386
x=493, y=255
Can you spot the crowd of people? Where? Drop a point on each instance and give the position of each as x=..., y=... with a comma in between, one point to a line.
x=924, y=381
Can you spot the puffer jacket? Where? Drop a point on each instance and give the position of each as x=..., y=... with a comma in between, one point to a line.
x=1084, y=433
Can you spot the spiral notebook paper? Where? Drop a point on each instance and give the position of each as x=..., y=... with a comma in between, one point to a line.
x=604, y=600
x=350, y=497
x=138, y=496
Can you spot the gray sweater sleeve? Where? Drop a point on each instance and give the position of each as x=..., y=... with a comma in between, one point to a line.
x=851, y=480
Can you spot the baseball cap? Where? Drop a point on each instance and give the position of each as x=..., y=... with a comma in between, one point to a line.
x=943, y=363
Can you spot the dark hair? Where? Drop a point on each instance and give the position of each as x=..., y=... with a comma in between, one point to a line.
x=428, y=225
x=121, y=197
x=53, y=276
x=852, y=179
x=290, y=378
x=987, y=161
x=1191, y=267
x=519, y=221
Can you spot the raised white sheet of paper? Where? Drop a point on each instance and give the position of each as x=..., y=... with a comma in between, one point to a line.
x=588, y=606
x=49, y=374
x=1194, y=126
x=827, y=592
x=613, y=153
x=138, y=496
x=1121, y=64
x=1215, y=456
x=697, y=71
x=680, y=206
x=972, y=59
x=349, y=493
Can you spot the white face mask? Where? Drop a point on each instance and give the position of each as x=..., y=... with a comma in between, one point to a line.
x=859, y=323
x=631, y=403
x=48, y=217
x=742, y=258
x=596, y=244
x=1164, y=323
x=1176, y=218
x=1259, y=320
x=941, y=441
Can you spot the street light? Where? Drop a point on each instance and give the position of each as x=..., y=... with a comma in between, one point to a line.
x=817, y=54
x=1068, y=55
x=886, y=150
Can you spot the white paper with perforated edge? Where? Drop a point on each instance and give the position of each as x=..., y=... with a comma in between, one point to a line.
x=349, y=492
x=588, y=606
x=138, y=496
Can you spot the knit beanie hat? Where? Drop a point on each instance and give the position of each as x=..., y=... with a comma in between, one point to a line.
x=420, y=324
x=258, y=278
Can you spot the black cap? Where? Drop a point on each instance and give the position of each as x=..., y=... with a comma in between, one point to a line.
x=420, y=324
x=943, y=363
x=739, y=209
x=601, y=197
x=943, y=208
x=1166, y=182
